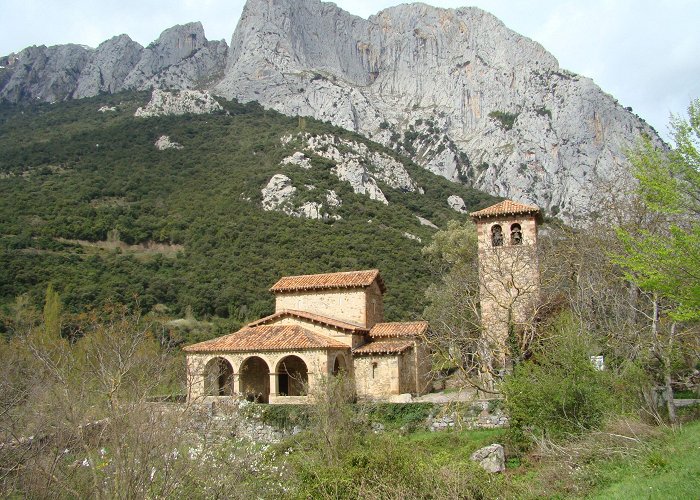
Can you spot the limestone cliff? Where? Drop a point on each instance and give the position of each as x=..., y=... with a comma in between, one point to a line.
x=455, y=89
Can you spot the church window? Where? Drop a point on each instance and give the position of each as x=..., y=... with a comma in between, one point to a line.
x=496, y=235
x=374, y=369
x=516, y=235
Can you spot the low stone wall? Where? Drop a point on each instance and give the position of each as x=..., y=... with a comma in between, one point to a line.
x=233, y=418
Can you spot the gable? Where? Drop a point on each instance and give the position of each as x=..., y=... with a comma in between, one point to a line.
x=329, y=281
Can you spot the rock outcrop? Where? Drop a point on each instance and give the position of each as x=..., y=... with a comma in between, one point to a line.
x=164, y=142
x=455, y=89
x=180, y=102
x=354, y=163
x=279, y=195
x=457, y=204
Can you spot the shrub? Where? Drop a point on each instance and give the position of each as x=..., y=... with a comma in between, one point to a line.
x=507, y=120
x=558, y=392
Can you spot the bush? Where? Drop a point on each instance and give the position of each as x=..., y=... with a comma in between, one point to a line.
x=558, y=392
x=507, y=120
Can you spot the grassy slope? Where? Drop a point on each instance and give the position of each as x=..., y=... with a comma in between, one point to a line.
x=68, y=172
x=670, y=471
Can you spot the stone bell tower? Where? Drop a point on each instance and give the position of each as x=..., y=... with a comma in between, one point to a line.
x=509, y=282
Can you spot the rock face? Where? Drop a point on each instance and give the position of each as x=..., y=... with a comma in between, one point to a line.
x=457, y=204
x=454, y=89
x=164, y=142
x=279, y=195
x=354, y=163
x=491, y=458
x=459, y=92
x=181, y=58
x=181, y=102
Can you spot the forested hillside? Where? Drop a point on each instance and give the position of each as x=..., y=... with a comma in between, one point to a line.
x=90, y=205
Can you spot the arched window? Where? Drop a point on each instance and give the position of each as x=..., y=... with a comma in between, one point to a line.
x=496, y=235
x=516, y=235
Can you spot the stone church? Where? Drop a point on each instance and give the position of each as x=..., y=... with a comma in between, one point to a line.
x=327, y=323
x=323, y=324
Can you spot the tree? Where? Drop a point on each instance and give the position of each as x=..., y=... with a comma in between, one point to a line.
x=664, y=260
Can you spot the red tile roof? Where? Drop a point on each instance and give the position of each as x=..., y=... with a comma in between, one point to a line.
x=384, y=347
x=349, y=279
x=506, y=207
x=268, y=338
x=314, y=318
x=408, y=329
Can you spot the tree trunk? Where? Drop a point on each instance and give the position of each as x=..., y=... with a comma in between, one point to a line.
x=668, y=390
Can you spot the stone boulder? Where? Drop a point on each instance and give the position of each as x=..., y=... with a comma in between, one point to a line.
x=457, y=204
x=491, y=458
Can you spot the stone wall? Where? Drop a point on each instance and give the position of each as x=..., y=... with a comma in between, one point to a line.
x=240, y=419
x=344, y=305
x=376, y=376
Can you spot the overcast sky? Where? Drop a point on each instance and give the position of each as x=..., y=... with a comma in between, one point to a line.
x=646, y=53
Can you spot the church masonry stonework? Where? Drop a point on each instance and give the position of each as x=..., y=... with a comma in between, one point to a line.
x=323, y=325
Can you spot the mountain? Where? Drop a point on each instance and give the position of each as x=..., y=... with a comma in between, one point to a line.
x=182, y=57
x=456, y=90
x=181, y=204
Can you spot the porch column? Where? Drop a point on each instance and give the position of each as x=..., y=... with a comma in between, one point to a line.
x=274, y=384
x=236, y=384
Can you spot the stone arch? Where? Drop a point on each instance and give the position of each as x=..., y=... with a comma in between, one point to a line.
x=496, y=235
x=292, y=376
x=255, y=380
x=339, y=365
x=516, y=234
x=218, y=377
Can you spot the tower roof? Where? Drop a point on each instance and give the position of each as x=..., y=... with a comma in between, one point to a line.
x=506, y=207
x=349, y=279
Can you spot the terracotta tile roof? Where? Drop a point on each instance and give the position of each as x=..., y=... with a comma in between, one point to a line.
x=408, y=329
x=384, y=347
x=314, y=318
x=348, y=279
x=506, y=207
x=268, y=338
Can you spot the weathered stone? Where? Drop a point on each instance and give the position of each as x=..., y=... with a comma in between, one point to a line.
x=278, y=194
x=457, y=204
x=425, y=222
x=299, y=159
x=491, y=458
x=332, y=199
x=164, y=103
x=164, y=142
x=181, y=58
x=455, y=89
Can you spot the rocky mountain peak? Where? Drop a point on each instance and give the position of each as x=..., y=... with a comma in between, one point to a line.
x=454, y=89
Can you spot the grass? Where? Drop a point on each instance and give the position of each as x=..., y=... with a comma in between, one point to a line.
x=671, y=470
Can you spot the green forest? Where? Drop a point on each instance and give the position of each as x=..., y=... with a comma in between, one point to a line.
x=71, y=176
